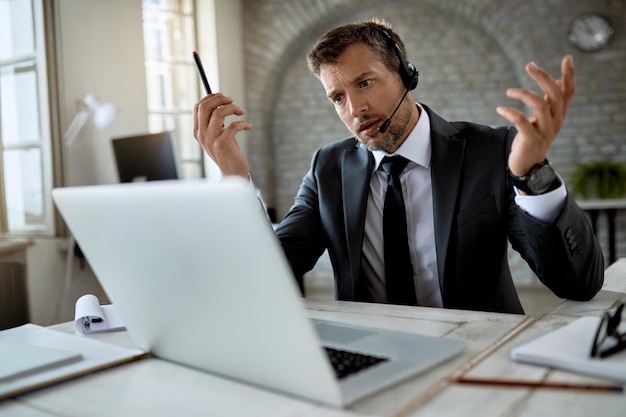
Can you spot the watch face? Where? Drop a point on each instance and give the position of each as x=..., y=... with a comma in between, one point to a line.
x=541, y=179
x=590, y=32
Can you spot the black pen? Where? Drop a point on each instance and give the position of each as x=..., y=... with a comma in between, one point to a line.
x=201, y=72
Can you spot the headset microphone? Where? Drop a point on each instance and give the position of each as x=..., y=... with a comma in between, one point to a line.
x=383, y=128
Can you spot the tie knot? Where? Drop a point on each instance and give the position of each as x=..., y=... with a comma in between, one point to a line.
x=393, y=166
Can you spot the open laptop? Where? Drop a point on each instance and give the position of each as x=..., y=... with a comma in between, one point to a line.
x=200, y=279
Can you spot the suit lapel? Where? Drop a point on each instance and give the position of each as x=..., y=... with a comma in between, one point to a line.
x=446, y=166
x=355, y=178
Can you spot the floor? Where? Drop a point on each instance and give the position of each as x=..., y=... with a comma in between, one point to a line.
x=536, y=299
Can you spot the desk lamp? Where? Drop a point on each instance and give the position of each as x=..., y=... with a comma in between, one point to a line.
x=103, y=114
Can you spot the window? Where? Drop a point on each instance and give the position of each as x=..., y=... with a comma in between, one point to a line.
x=25, y=146
x=169, y=39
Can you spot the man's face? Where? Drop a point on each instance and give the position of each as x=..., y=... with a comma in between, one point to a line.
x=365, y=93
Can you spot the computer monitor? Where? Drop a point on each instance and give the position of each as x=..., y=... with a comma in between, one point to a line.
x=146, y=157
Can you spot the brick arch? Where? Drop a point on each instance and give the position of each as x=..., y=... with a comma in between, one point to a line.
x=285, y=31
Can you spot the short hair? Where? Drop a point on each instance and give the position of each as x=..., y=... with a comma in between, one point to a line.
x=334, y=42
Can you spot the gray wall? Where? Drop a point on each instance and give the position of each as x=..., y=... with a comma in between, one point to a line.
x=467, y=52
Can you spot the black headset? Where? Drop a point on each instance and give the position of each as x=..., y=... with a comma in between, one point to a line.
x=408, y=73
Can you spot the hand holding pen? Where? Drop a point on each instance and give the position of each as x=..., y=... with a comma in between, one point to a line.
x=218, y=140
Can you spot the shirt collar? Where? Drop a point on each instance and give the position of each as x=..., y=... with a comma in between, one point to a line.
x=416, y=147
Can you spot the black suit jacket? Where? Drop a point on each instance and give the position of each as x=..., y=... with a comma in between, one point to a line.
x=474, y=214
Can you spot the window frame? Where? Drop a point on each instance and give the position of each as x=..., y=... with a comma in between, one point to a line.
x=174, y=114
x=40, y=56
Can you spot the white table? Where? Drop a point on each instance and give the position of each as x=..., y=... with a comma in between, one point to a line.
x=153, y=387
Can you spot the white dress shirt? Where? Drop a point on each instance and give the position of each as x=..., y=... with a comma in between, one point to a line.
x=417, y=192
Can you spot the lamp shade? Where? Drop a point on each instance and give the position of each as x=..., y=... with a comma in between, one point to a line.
x=103, y=113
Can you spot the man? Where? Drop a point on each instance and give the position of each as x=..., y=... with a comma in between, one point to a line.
x=456, y=189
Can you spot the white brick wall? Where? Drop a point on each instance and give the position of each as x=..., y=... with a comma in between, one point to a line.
x=468, y=52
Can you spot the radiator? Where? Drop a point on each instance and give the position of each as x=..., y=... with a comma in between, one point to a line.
x=13, y=301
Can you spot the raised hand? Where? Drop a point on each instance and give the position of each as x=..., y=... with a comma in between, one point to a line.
x=537, y=132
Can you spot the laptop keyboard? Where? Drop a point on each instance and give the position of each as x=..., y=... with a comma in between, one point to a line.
x=346, y=363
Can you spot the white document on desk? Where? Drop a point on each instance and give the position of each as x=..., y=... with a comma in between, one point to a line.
x=568, y=348
x=83, y=355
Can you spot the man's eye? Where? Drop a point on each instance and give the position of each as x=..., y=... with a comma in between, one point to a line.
x=364, y=83
x=338, y=99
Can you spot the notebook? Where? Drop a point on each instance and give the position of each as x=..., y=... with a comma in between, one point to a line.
x=568, y=348
x=26, y=359
x=33, y=357
x=200, y=279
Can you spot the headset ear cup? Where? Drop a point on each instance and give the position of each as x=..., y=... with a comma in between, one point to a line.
x=408, y=72
x=411, y=78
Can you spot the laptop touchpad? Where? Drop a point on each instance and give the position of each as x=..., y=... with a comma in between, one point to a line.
x=340, y=334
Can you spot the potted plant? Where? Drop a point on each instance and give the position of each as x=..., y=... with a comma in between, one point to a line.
x=600, y=179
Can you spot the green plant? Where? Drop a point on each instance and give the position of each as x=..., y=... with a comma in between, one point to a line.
x=600, y=179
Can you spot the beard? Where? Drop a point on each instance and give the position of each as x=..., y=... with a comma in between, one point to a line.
x=396, y=133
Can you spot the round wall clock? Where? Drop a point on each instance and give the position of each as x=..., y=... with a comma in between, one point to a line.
x=590, y=32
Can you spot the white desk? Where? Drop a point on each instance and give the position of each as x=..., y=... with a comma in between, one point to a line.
x=478, y=394
x=152, y=387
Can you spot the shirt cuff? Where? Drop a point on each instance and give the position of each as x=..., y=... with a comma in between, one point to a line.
x=544, y=207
